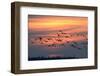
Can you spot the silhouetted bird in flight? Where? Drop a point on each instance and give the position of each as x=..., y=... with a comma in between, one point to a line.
x=66, y=36
x=45, y=41
x=49, y=38
x=40, y=38
x=58, y=40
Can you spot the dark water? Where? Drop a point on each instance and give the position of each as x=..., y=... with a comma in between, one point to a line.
x=68, y=51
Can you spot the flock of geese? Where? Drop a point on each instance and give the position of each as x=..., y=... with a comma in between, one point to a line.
x=59, y=39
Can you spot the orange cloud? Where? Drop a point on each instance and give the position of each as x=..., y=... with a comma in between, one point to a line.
x=53, y=22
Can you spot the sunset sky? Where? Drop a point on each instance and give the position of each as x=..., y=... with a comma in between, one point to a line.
x=45, y=30
x=55, y=22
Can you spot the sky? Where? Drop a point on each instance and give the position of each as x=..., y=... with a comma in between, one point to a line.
x=57, y=36
x=52, y=22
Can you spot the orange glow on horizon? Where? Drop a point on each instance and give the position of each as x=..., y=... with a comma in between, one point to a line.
x=52, y=22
